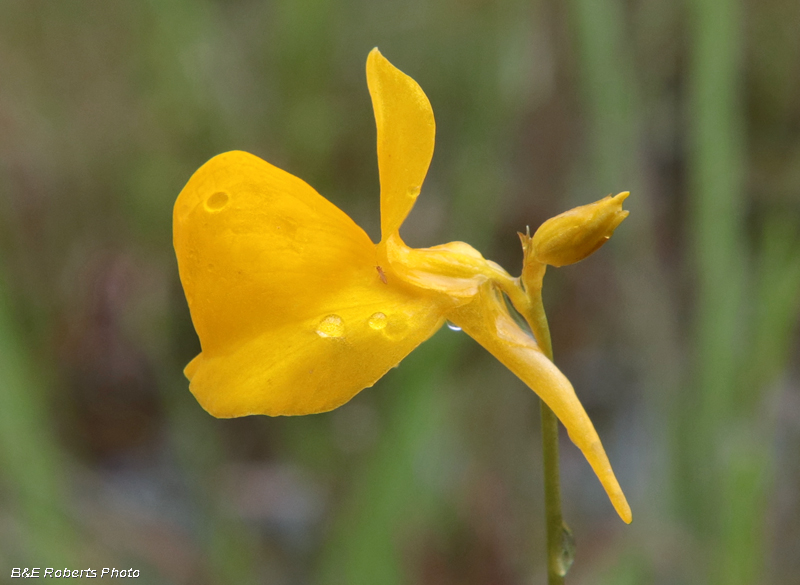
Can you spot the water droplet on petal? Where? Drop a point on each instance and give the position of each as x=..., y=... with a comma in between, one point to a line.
x=453, y=326
x=567, y=555
x=414, y=192
x=331, y=326
x=217, y=201
x=378, y=321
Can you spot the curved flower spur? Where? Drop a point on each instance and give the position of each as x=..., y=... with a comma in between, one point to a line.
x=297, y=310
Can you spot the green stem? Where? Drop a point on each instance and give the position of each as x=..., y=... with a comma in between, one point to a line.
x=537, y=320
x=552, y=496
x=552, y=481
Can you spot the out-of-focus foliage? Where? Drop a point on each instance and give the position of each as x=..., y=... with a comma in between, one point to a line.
x=680, y=336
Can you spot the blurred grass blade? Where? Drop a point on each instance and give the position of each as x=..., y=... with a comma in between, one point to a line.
x=728, y=481
x=748, y=469
x=30, y=459
x=777, y=303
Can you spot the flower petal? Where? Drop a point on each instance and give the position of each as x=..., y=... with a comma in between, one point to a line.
x=406, y=132
x=486, y=320
x=292, y=314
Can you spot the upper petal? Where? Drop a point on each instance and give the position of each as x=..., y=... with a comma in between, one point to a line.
x=406, y=132
x=486, y=320
x=283, y=287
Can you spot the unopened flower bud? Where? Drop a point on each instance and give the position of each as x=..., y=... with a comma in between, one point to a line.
x=573, y=235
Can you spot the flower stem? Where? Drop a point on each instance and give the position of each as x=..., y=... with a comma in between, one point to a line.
x=533, y=312
x=552, y=496
x=552, y=481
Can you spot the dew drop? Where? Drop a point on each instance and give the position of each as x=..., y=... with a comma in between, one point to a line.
x=453, y=326
x=217, y=201
x=378, y=321
x=567, y=556
x=414, y=192
x=331, y=326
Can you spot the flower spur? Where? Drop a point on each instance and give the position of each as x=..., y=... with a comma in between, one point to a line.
x=297, y=310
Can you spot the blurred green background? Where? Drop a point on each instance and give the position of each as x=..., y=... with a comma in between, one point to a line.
x=680, y=336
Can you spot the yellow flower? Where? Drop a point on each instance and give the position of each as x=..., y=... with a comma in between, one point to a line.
x=297, y=310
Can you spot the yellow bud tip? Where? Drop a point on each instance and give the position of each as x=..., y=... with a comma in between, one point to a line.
x=577, y=233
